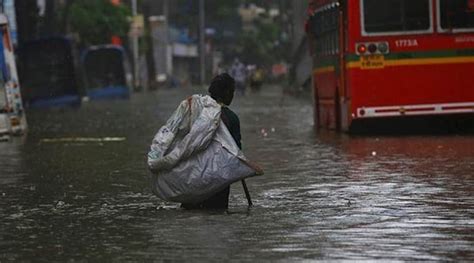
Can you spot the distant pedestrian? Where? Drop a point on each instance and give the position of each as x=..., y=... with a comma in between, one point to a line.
x=239, y=73
x=256, y=79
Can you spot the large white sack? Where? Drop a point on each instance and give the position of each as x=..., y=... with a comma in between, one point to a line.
x=193, y=156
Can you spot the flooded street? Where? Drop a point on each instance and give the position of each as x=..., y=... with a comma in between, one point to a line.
x=324, y=196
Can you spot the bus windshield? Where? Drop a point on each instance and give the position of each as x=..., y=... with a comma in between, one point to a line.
x=391, y=16
x=457, y=14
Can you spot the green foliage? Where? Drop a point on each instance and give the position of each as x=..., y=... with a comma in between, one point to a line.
x=252, y=50
x=219, y=10
x=262, y=3
x=263, y=45
x=96, y=21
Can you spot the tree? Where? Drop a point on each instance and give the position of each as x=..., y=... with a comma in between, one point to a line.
x=96, y=21
x=262, y=45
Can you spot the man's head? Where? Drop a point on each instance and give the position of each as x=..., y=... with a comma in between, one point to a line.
x=222, y=88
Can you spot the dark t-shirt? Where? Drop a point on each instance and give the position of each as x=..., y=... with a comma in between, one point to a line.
x=231, y=120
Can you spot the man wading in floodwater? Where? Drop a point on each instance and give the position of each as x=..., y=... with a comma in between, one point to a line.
x=196, y=155
x=222, y=90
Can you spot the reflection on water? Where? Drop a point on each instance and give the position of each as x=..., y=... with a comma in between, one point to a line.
x=324, y=196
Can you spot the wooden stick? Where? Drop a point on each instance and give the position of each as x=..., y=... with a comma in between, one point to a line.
x=247, y=194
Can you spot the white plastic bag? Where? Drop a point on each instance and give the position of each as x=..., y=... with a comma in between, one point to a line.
x=193, y=156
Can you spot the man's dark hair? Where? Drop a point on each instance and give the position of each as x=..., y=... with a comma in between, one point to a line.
x=221, y=86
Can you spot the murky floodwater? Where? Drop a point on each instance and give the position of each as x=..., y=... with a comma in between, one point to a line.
x=324, y=196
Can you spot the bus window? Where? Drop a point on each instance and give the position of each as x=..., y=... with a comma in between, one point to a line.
x=396, y=16
x=457, y=14
x=325, y=31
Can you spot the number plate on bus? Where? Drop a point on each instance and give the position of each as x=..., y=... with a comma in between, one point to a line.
x=372, y=61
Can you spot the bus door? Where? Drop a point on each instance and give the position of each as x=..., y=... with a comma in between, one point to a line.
x=457, y=20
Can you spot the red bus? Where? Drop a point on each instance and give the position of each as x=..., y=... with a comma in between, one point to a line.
x=385, y=60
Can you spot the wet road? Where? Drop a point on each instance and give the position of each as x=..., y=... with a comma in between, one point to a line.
x=324, y=196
